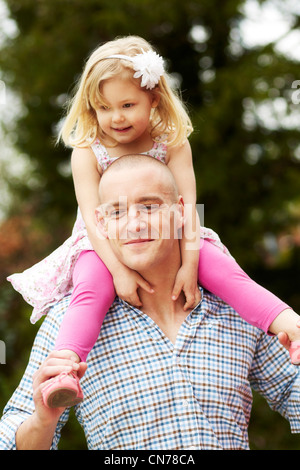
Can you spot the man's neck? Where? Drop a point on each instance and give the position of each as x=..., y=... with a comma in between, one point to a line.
x=167, y=313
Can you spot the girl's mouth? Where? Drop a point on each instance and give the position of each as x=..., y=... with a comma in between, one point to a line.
x=122, y=130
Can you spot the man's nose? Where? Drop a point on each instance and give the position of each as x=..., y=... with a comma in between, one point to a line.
x=135, y=222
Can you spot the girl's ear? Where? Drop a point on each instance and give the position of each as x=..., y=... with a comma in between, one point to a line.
x=101, y=226
x=155, y=100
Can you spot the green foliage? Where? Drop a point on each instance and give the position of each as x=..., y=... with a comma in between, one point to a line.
x=247, y=173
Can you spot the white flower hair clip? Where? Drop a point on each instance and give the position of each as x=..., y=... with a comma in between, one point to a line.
x=147, y=65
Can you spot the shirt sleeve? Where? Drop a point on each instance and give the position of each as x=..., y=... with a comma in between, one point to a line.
x=21, y=405
x=277, y=379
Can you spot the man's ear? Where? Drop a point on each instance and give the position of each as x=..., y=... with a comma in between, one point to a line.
x=181, y=213
x=101, y=226
x=179, y=217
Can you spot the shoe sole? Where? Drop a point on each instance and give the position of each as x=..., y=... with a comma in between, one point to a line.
x=296, y=362
x=63, y=397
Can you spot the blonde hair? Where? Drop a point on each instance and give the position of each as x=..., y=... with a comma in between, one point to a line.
x=81, y=128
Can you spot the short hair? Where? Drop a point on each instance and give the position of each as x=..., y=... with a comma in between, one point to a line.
x=142, y=160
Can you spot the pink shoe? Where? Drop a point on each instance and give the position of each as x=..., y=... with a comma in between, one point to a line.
x=63, y=391
x=295, y=352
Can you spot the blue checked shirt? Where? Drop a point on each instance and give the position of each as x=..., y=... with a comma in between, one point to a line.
x=143, y=392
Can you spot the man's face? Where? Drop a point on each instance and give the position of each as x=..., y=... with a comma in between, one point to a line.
x=139, y=216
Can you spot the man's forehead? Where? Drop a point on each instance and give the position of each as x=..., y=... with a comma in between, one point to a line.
x=145, y=199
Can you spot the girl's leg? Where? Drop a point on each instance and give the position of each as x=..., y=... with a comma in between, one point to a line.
x=92, y=296
x=221, y=275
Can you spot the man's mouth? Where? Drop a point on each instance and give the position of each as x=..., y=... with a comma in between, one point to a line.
x=138, y=240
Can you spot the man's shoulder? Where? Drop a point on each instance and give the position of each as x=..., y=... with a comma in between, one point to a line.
x=216, y=309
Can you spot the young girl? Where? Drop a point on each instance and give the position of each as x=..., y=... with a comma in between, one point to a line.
x=124, y=104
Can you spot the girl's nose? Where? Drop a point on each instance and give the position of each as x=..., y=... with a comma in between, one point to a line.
x=117, y=116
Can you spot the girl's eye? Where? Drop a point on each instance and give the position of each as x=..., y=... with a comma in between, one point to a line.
x=128, y=105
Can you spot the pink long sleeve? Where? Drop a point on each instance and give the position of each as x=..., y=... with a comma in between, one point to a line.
x=92, y=296
x=221, y=275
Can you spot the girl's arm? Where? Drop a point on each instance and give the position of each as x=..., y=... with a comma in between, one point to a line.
x=181, y=164
x=86, y=176
x=255, y=304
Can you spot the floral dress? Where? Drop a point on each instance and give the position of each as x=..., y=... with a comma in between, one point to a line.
x=47, y=282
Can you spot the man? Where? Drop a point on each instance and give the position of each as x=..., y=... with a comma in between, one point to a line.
x=158, y=377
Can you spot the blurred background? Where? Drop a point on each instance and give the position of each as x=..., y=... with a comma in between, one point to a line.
x=237, y=65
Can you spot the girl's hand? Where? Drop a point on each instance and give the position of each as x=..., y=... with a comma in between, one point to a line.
x=127, y=282
x=284, y=340
x=186, y=281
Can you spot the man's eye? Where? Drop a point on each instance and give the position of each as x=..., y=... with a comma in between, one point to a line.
x=149, y=207
x=117, y=213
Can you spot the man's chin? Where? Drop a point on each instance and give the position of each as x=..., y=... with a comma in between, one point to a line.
x=137, y=255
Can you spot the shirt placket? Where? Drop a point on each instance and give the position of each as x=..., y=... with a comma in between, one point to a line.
x=193, y=436
x=195, y=428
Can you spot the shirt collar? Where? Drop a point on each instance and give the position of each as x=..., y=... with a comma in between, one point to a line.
x=195, y=316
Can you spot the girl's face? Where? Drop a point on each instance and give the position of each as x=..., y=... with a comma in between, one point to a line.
x=126, y=114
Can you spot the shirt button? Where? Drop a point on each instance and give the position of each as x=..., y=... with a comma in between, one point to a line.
x=185, y=403
x=177, y=359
